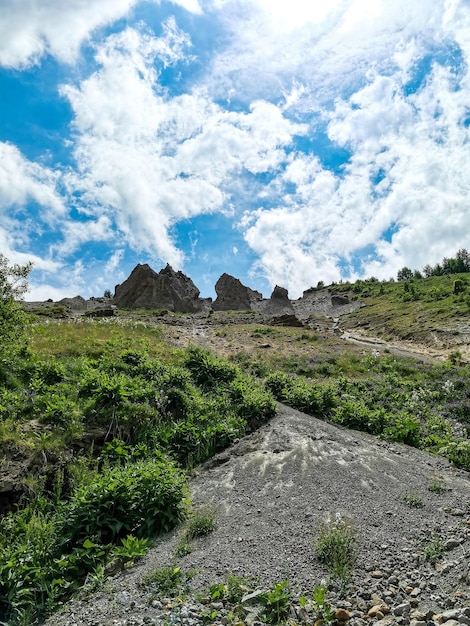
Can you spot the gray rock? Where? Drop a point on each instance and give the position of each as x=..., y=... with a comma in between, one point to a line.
x=166, y=290
x=233, y=296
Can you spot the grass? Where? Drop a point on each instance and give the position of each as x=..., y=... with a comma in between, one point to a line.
x=336, y=547
x=165, y=581
x=200, y=523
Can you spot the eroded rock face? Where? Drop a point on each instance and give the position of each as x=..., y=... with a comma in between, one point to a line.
x=233, y=296
x=167, y=289
x=339, y=300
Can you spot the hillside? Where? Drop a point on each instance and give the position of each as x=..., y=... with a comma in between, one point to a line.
x=98, y=397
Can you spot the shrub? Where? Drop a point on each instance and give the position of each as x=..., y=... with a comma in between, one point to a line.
x=208, y=370
x=165, y=581
x=404, y=428
x=301, y=394
x=141, y=499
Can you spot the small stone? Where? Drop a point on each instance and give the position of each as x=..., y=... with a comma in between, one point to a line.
x=463, y=619
x=378, y=611
x=451, y=614
x=217, y=605
x=408, y=589
x=377, y=574
x=401, y=609
x=342, y=615
x=450, y=544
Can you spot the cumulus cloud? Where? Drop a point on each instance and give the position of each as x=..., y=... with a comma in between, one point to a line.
x=22, y=180
x=402, y=193
x=147, y=160
x=29, y=29
x=340, y=129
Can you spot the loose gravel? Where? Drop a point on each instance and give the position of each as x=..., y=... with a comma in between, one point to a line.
x=272, y=492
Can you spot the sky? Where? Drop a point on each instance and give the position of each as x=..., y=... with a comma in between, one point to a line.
x=284, y=143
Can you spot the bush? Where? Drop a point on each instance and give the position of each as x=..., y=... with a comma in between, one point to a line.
x=208, y=370
x=141, y=499
x=314, y=399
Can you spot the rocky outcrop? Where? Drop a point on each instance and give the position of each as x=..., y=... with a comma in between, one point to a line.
x=280, y=293
x=233, y=296
x=339, y=300
x=167, y=289
x=287, y=320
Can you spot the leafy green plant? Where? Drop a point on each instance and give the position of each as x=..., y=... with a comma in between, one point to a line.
x=165, y=581
x=413, y=501
x=141, y=498
x=276, y=603
x=322, y=608
x=131, y=548
x=336, y=548
x=433, y=550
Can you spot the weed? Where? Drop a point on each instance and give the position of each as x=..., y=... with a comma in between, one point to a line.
x=437, y=487
x=131, y=548
x=336, y=548
x=433, y=550
x=183, y=548
x=276, y=602
x=165, y=581
x=237, y=587
x=413, y=501
x=200, y=523
x=323, y=609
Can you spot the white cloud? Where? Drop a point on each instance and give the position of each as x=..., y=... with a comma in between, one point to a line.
x=146, y=160
x=418, y=145
x=22, y=180
x=29, y=29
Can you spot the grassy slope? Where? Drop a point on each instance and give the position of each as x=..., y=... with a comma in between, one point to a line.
x=425, y=311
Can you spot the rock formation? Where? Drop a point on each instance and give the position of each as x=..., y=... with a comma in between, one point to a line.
x=339, y=299
x=233, y=296
x=280, y=293
x=167, y=289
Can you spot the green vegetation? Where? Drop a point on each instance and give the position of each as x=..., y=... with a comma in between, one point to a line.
x=336, y=548
x=398, y=399
x=104, y=420
x=166, y=581
x=413, y=501
x=433, y=550
x=276, y=602
x=200, y=523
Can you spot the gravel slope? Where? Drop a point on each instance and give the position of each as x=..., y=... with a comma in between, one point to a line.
x=274, y=489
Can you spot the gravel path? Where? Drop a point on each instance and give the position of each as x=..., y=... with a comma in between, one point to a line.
x=272, y=492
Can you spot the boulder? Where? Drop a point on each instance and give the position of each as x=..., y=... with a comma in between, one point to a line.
x=147, y=289
x=233, y=296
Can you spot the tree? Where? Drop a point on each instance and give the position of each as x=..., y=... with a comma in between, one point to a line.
x=405, y=274
x=13, y=286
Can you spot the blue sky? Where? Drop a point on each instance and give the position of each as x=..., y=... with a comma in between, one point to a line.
x=281, y=142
